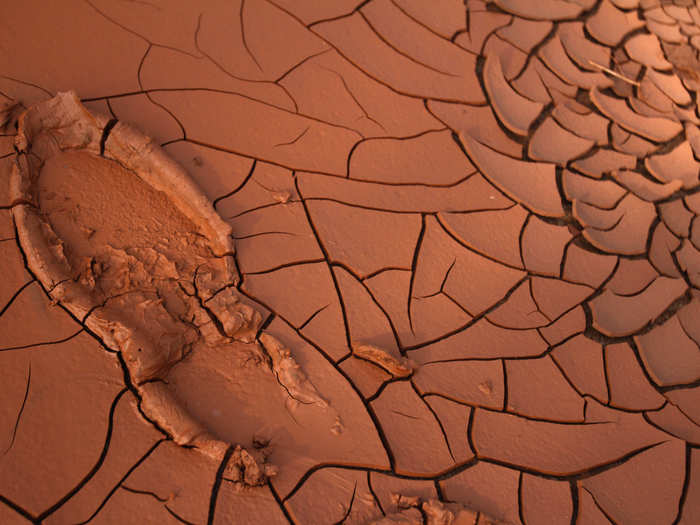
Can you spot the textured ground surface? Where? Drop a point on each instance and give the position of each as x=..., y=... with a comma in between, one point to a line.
x=504, y=193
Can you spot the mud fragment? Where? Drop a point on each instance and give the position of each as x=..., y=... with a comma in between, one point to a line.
x=382, y=359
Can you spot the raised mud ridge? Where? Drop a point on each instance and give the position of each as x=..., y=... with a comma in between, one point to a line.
x=119, y=234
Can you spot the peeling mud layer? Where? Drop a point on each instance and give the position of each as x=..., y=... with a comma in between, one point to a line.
x=366, y=261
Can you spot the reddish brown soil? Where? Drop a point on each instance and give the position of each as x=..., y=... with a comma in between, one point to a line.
x=466, y=277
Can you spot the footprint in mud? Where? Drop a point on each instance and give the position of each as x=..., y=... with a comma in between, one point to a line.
x=121, y=237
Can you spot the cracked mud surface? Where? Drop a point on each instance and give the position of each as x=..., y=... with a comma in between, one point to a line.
x=466, y=277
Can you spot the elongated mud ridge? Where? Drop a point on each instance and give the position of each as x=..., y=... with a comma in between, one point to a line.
x=118, y=234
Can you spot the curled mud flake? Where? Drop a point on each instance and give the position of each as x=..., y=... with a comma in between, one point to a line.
x=588, y=125
x=646, y=49
x=653, y=128
x=382, y=359
x=557, y=59
x=515, y=111
x=619, y=315
x=678, y=164
x=644, y=188
x=546, y=10
x=622, y=230
x=290, y=375
x=585, y=52
x=552, y=143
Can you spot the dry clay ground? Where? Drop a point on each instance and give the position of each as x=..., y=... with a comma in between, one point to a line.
x=504, y=193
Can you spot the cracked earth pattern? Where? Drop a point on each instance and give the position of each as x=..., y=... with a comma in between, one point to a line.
x=501, y=196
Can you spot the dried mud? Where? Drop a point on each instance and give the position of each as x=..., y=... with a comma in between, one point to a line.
x=285, y=261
